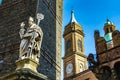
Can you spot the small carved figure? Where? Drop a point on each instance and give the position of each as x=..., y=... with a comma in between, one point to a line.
x=91, y=59
x=31, y=40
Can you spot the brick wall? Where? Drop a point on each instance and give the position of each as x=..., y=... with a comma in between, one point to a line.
x=13, y=12
x=52, y=38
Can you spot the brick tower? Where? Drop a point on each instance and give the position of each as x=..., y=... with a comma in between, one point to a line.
x=108, y=52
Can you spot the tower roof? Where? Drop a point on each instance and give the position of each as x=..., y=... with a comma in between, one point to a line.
x=108, y=22
x=73, y=17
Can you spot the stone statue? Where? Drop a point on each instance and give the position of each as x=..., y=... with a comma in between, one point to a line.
x=91, y=60
x=31, y=40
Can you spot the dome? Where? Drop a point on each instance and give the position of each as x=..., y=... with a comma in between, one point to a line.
x=108, y=22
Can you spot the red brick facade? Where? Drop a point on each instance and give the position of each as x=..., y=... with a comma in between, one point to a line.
x=108, y=56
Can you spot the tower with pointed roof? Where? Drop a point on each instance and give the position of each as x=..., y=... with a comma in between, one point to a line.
x=74, y=59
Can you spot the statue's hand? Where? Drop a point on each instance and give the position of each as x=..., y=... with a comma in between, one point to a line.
x=22, y=25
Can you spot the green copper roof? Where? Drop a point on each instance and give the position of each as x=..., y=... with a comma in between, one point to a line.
x=108, y=22
x=108, y=38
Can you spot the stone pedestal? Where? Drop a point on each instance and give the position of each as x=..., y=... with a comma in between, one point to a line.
x=27, y=63
x=26, y=70
x=24, y=74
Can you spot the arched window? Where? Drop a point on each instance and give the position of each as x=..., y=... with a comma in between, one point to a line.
x=81, y=67
x=111, y=29
x=105, y=73
x=107, y=30
x=80, y=45
x=68, y=44
x=117, y=70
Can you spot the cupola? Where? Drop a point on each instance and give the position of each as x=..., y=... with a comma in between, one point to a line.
x=109, y=27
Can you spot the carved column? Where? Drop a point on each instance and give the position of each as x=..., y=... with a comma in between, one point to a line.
x=114, y=77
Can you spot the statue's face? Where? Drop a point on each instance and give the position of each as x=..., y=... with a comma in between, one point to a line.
x=30, y=21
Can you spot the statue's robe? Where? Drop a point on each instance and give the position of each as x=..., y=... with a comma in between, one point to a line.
x=31, y=41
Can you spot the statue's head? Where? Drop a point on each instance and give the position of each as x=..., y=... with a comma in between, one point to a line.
x=31, y=20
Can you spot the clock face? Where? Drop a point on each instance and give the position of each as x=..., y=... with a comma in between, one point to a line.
x=69, y=68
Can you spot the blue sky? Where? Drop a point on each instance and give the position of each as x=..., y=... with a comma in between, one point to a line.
x=92, y=15
x=0, y=1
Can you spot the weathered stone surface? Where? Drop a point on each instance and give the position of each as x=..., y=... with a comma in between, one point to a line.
x=108, y=56
x=85, y=75
x=27, y=63
x=12, y=13
x=52, y=38
x=24, y=74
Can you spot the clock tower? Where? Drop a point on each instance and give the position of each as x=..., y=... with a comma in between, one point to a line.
x=74, y=59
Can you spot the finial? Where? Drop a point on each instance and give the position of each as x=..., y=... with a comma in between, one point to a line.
x=108, y=22
x=73, y=17
x=40, y=17
x=72, y=11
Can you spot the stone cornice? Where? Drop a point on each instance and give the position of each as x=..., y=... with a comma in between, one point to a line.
x=72, y=31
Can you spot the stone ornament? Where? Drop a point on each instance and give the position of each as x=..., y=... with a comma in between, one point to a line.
x=39, y=17
x=31, y=40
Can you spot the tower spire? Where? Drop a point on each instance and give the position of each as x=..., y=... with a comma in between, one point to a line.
x=108, y=22
x=73, y=17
